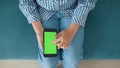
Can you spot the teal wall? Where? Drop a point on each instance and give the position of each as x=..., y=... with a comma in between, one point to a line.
x=102, y=40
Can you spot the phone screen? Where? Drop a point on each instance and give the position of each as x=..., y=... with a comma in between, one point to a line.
x=49, y=48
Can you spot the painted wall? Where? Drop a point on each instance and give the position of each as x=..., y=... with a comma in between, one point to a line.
x=102, y=40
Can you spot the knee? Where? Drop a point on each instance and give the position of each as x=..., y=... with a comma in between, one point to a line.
x=47, y=62
x=73, y=63
x=47, y=65
x=73, y=60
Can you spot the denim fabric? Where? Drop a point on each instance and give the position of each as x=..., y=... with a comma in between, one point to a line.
x=70, y=57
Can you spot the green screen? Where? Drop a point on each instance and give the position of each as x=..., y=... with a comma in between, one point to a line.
x=49, y=48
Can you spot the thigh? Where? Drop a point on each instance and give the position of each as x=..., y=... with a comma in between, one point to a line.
x=52, y=23
x=72, y=55
x=49, y=62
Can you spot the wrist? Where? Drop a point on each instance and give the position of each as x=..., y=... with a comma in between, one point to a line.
x=38, y=32
x=38, y=28
x=73, y=27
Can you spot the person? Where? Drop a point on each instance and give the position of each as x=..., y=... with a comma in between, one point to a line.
x=68, y=18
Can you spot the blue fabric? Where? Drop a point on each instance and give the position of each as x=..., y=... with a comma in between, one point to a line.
x=71, y=57
x=44, y=9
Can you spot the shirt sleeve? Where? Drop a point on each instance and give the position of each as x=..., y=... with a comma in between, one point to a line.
x=81, y=11
x=29, y=9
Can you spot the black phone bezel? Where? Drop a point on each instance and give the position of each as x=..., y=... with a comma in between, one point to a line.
x=49, y=55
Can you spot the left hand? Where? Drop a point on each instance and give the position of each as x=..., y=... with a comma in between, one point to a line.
x=64, y=38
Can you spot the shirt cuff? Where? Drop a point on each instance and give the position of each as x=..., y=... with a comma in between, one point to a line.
x=77, y=20
x=80, y=14
x=32, y=19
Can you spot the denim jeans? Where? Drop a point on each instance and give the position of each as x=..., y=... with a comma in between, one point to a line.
x=70, y=57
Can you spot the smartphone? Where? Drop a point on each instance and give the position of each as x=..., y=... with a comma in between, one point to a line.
x=49, y=49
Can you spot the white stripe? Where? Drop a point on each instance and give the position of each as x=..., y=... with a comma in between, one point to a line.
x=29, y=8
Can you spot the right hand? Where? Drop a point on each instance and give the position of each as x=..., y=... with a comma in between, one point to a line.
x=40, y=39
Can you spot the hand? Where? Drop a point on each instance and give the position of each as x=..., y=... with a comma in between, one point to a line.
x=64, y=38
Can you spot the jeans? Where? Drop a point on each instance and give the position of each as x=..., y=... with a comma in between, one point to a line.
x=70, y=57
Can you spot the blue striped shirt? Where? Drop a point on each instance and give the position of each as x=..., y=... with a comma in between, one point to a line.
x=44, y=9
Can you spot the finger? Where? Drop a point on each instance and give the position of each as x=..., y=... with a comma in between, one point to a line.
x=58, y=35
x=53, y=42
x=40, y=42
x=60, y=44
x=58, y=40
x=65, y=46
x=58, y=47
x=40, y=45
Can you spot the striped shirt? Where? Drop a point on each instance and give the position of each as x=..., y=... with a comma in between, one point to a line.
x=44, y=9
